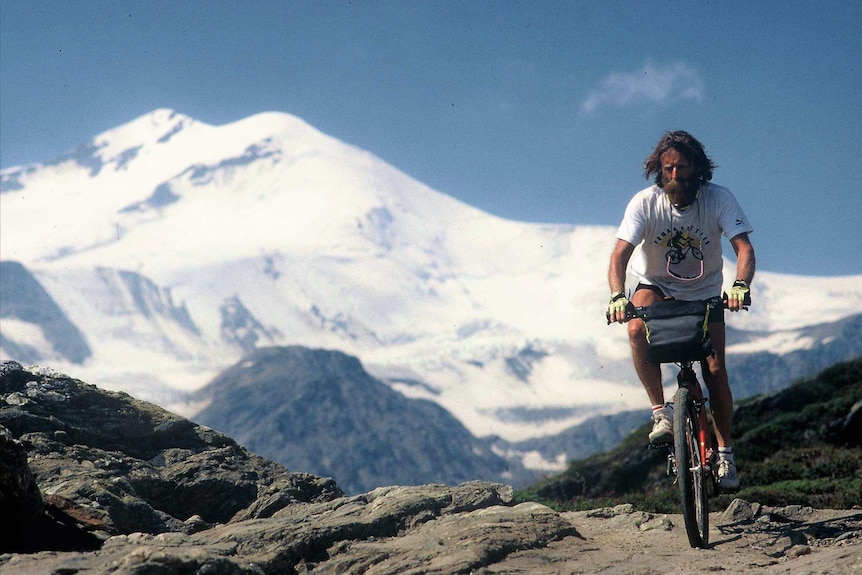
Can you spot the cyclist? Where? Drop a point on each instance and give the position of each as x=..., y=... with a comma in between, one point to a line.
x=682, y=207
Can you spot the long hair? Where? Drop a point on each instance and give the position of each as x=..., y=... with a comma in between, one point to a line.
x=688, y=146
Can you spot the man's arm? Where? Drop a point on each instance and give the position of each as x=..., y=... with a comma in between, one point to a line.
x=619, y=261
x=745, y=264
x=617, y=273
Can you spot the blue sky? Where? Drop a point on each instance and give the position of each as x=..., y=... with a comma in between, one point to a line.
x=538, y=111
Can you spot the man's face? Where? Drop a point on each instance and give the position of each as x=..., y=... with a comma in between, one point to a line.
x=678, y=179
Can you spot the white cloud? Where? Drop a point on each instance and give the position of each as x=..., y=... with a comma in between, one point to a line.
x=669, y=83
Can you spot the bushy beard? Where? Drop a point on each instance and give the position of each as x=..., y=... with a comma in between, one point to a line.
x=681, y=193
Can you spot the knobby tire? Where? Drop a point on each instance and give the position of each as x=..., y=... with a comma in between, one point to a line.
x=691, y=478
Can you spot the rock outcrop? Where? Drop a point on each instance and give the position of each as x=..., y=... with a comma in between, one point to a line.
x=21, y=502
x=123, y=486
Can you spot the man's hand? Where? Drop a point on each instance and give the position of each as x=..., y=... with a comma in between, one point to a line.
x=739, y=296
x=617, y=307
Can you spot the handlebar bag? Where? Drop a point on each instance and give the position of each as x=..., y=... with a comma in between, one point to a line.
x=677, y=331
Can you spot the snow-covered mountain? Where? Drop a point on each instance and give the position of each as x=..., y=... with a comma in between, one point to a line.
x=175, y=247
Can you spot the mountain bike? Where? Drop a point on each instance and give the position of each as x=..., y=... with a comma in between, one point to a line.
x=692, y=458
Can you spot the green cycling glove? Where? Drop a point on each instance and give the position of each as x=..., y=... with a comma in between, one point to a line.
x=740, y=292
x=617, y=305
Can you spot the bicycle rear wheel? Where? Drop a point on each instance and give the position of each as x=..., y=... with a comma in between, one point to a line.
x=691, y=474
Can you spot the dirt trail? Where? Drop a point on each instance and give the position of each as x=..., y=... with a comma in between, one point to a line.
x=744, y=539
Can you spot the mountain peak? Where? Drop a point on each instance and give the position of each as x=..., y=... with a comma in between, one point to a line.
x=275, y=121
x=334, y=418
x=158, y=126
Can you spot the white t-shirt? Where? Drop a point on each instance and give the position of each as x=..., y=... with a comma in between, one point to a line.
x=681, y=250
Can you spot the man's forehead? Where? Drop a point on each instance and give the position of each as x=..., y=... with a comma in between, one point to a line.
x=673, y=157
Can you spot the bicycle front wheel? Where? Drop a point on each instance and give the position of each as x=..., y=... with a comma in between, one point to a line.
x=691, y=473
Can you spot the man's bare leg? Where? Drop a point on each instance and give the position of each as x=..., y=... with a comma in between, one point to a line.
x=720, y=395
x=648, y=373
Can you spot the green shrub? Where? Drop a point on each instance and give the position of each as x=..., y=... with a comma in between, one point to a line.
x=782, y=450
x=819, y=493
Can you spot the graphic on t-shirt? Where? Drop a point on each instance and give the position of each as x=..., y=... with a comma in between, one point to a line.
x=684, y=253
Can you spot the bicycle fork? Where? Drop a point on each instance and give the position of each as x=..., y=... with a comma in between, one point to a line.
x=706, y=453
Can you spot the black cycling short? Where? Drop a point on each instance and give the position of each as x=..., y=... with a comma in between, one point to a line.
x=715, y=316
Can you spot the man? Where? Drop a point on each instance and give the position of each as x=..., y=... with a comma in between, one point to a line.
x=678, y=223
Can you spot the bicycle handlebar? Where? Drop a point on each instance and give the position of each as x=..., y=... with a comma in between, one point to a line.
x=633, y=312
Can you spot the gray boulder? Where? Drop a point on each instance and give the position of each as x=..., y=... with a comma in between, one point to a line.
x=125, y=487
x=21, y=505
x=388, y=531
x=110, y=464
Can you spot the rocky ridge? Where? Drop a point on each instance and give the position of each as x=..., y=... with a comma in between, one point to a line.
x=98, y=482
x=122, y=485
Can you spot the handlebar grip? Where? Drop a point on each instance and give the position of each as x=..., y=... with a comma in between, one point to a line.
x=746, y=301
x=631, y=313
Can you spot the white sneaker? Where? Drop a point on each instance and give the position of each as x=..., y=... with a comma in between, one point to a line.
x=728, y=480
x=662, y=428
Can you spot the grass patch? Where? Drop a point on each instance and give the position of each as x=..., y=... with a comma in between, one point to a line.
x=787, y=451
